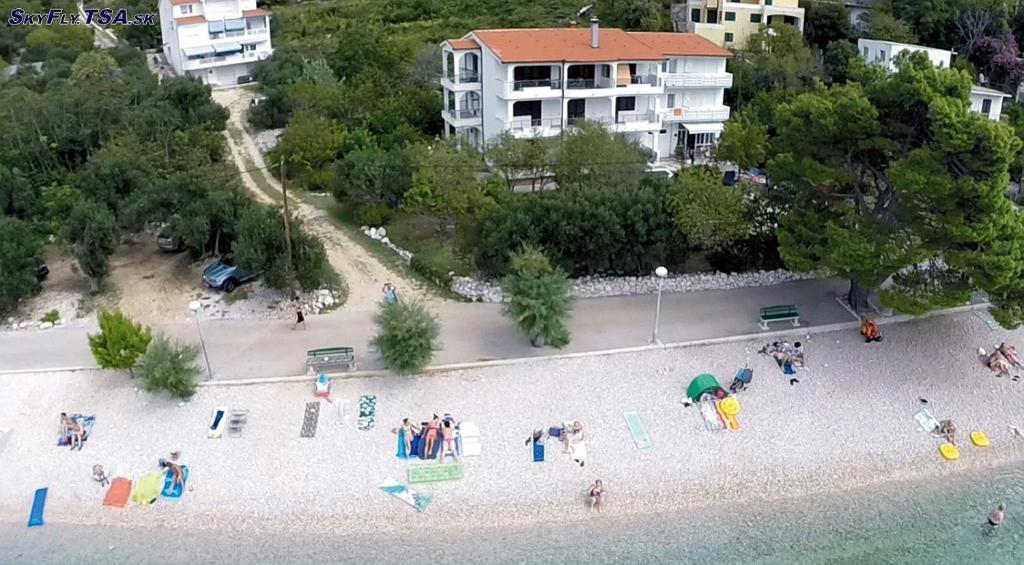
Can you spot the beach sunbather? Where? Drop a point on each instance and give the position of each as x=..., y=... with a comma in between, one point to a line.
x=409, y=430
x=1009, y=353
x=572, y=434
x=73, y=429
x=596, y=494
x=432, y=430
x=998, y=364
x=537, y=435
x=177, y=478
x=947, y=429
x=447, y=439
x=869, y=329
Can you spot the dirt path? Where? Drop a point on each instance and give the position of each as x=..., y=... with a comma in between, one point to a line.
x=363, y=273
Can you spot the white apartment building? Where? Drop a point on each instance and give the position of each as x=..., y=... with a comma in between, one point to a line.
x=663, y=91
x=985, y=101
x=216, y=41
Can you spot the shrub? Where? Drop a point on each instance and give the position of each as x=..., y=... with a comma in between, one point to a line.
x=120, y=341
x=53, y=316
x=406, y=336
x=437, y=265
x=170, y=367
x=373, y=215
x=539, y=298
x=19, y=249
x=628, y=231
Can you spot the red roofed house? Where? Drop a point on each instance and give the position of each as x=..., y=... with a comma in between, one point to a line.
x=663, y=91
x=216, y=41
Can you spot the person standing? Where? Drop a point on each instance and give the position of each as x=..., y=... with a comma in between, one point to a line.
x=596, y=494
x=300, y=318
x=390, y=294
x=995, y=519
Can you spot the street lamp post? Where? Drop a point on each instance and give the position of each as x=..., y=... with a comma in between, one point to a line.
x=194, y=306
x=661, y=273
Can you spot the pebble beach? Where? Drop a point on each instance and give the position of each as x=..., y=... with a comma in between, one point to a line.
x=847, y=424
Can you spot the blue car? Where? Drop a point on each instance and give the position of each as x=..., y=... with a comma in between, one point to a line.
x=225, y=275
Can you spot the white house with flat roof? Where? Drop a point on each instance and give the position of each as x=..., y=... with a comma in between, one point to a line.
x=663, y=91
x=216, y=41
x=985, y=101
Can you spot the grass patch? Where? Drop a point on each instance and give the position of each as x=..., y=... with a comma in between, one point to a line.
x=52, y=316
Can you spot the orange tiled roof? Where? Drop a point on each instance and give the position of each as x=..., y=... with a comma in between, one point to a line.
x=463, y=44
x=254, y=13
x=187, y=20
x=569, y=44
x=180, y=2
x=681, y=44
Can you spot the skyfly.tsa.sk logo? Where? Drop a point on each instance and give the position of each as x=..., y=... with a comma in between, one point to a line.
x=101, y=16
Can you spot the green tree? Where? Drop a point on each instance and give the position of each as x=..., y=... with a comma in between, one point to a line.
x=260, y=247
x=169, y=367
x=94, y=65
x=19, y=251
x=826, y=22
x=94, y=236
x=591, y=158
x=539, y=298
x=880, y=23
x=407, y=334
x=840, y=61
x=444, y=181
x=517, y=160
x=372, y=175
x=644, y=15
x=120, y=342
x=309, y=143
x=711, y=216
x=44, y=41
x=775, y=58
x=744, y=142
x=901, y=184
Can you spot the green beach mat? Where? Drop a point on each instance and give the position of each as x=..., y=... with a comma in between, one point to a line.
x=435, y=473
x=147, y=488
x=637, y=430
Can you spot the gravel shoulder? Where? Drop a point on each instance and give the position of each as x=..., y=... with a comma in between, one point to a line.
x=848, y=423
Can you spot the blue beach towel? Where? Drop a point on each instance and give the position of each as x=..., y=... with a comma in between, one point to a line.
x=400, y=453
x=637, y=430
x=35, y=517
x=86, y=422
x=177, y=490
x=788, y=369
x=538, y=451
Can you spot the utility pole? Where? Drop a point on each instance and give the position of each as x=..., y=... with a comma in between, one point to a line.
x=287, y=232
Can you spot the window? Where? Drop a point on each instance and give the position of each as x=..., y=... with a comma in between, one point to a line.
x=767, y=2
x=249, y=47
x=986, y=106
x=730, y=16
x=186, y=9
x=695, y=15
x=865, y=53
x=625, y=104
x=671, y=100
x=712, y=16
x=881, y=55
x=728, y=37
x=755, y=18
x=577, y=109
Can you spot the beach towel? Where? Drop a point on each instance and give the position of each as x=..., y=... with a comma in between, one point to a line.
x=118, y=493
x=147, y=488
x=538, y=451
x=406, y=495
x=172, y=491
x=310, y=419
x=217, y=423
x=87, y=422
x=637, y=430
x=709, y=414
x=468, y=439
x=925, y=419
x=430, y=473
x=578, y=452
x=35, y=516
x=367, y=412
x=788, y=369
x=400, y=452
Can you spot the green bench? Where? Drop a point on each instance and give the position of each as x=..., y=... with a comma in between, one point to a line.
x=779, y=313
x=322, y=360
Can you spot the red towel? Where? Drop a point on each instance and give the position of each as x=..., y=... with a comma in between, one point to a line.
x=120, y=490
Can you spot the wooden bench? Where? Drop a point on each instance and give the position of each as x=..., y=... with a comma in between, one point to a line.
x=779, y=313
x=319, y=360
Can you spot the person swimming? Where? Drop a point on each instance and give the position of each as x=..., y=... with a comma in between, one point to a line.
x=995, y=518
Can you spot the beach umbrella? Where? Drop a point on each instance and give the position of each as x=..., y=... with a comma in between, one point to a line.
x=705, y=382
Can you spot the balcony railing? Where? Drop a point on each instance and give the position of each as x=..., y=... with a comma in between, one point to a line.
x=525, y=123
x=466, y=76
x=697, y=80
x=696, y=114
x=464, y=113
x=651, y=80
x=583, y=83
x=580, y=120
x=649, y=117
x=518, y=85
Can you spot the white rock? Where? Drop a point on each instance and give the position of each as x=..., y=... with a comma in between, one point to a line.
x=382, y=232
x=45, y=325
x=23, y=325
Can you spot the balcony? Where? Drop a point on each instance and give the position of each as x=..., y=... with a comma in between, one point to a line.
x=695, y=114
x=524, y=126
x=463, y=116
x=231, y=59
x=637, y=117
x=697, y=80
x=467, y=76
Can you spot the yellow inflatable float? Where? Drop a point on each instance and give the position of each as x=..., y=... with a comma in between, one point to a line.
x=727, y=408
x=949, y=451
x=980, y=439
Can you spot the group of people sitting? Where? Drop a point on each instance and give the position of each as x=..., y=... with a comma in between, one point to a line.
x=437, y=432
x=1002, y=360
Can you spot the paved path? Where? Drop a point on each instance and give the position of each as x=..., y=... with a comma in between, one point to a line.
x=470, y=332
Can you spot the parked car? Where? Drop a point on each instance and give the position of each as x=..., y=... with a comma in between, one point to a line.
x=41, y=270
x=170, y=242
x=730, y=178
x=225, y=275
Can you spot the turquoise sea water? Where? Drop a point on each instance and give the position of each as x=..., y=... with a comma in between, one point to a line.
x=935, y=523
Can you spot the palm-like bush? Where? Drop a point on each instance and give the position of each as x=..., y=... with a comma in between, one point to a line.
x=167, y=366
x=406, y=336
x=539, y=298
